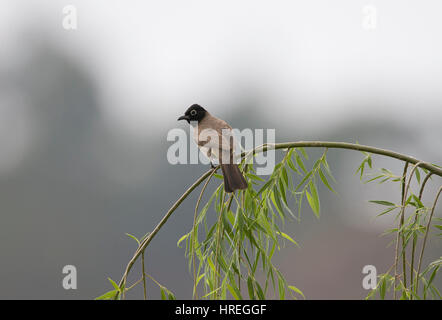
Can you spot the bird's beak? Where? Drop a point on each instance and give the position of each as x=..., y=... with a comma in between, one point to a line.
x=184, y=118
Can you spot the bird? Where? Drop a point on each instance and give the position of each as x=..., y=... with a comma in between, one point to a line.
x=214, y=138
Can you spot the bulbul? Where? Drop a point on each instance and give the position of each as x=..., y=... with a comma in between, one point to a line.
x=214, y=138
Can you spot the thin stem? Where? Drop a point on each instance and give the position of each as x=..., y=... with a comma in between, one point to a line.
x=427, y=231
x=421, y=191
x=404, y=266
x=217, y=249
x=132, y=286
x=149, y=238
x=156, y=282
x=218, y=246
x=413, y=248
x=195, y=293
x=144, y=276
x=399, y=232
x=239, y=242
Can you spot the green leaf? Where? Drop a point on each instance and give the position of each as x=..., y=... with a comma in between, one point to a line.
x=219, y=176
x=170, y=295
x=386, y=211
x=199, y=278
x=418, y=175
x=300, y=163
x=375, y=178
x=418, y=201
x=235, y=292
x=255, y=177
x=285, y=177
x=182, y=239
x=430, y=280
x=282, y=189
x=327, y=168
x=303, y=152
x=274, y=196
x=369, y=161
x=133, y=237
x=114, y=284
x=293, y=288
x=314, y=198
x=262, y=220
x=384, y=203
x=264, y=187
x=303, y=180
x=250, y=288
x=382, y=288
x=384, y=180
x=281, y=288
x=108, y=295
x=259, y=291
x=292, y=166
x=210, y=293
x=361, y=169
x=312, y=203
x=324, y=180
x=163, y=294
x=286, y=236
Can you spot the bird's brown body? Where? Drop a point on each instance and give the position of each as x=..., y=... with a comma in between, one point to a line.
x=214, y=138
x=222, y=150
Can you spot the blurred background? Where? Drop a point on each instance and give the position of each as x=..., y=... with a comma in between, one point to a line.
x=84, y=116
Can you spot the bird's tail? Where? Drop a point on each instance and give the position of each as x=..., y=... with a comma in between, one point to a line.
x=233, y=178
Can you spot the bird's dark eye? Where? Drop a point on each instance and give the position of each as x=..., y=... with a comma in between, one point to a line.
x=193, y=112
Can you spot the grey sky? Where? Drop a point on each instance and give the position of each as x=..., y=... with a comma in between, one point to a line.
x=313, y=58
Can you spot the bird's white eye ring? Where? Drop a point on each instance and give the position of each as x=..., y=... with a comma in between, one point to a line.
x=193, y=112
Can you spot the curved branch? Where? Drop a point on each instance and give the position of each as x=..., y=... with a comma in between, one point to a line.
x=421, y=191
x=286, y=145
x=149, y=238
x=351, y=146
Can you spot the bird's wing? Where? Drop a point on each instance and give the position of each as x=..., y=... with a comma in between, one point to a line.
x=217, y=135
x=221, y=138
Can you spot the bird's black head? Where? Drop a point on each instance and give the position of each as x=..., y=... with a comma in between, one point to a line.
x=194, y=113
